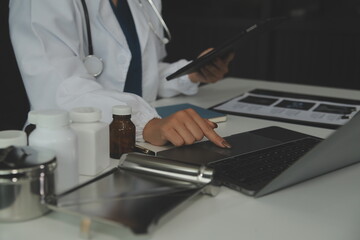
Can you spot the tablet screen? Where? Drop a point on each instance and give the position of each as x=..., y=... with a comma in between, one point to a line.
x=227, y=46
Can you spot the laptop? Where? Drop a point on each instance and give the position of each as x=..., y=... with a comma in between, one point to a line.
x=269, y=159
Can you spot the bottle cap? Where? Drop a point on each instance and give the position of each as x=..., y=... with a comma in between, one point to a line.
x=32, y=117
x=85, y=114
x=12, y=138
x=121, y=110
x=52, y=118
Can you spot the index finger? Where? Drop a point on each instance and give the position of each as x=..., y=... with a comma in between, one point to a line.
x=208, y=130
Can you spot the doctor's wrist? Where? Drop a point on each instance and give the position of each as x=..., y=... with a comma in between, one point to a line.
x=152, y=133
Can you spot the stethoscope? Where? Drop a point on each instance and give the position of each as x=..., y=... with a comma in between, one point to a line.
x=94, y=64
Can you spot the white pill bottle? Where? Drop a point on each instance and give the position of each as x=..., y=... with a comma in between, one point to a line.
x=92, y=139
x=53, y=132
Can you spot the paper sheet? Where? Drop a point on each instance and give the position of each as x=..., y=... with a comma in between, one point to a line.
x=293, y=107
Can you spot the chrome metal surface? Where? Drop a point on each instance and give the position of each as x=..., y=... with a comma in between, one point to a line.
x=26, y=179
x=121, y=197
x=172, y=169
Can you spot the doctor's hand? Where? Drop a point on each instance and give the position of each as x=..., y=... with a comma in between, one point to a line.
x=214, y=71
x=182, y=128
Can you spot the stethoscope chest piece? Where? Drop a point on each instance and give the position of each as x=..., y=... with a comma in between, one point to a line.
x=93, y=65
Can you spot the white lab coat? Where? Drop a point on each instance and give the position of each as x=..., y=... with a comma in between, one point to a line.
x=50, y=43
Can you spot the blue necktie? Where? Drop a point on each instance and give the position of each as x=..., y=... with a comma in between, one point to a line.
x=133, y=83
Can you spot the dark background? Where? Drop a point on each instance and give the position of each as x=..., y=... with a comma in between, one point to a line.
x=319, y=45
x=14, y=103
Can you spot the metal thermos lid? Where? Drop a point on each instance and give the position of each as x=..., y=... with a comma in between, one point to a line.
x=25, y=162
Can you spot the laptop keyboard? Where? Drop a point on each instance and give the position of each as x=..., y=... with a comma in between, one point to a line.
x=254, y=170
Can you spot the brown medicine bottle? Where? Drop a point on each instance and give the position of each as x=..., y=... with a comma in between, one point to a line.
x=122, y=132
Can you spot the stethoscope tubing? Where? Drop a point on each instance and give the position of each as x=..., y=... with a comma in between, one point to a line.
x=88, y=28
x=158, y=15
x=94, y=64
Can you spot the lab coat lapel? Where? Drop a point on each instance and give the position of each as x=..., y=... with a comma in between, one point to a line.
x=111, y=24
x=109, y=21
x=141, y=23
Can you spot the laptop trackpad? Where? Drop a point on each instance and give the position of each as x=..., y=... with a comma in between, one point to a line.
x=207, y=152
x=248, y=142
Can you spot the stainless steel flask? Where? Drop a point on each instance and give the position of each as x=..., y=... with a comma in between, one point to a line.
x=26, y=180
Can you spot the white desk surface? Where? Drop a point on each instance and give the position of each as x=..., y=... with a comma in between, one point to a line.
x=324, y=208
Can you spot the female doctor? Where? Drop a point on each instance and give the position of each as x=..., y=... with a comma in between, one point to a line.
x=53, y=40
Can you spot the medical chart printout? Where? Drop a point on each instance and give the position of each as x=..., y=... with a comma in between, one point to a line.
x=292, y=107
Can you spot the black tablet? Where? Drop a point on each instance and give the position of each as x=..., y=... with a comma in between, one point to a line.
x=227, y=46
